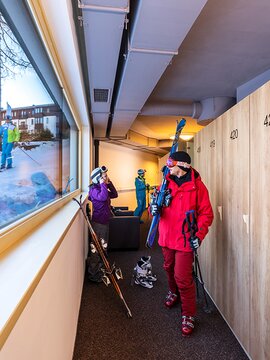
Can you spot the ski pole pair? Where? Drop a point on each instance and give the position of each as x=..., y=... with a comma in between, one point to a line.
x=191, y=222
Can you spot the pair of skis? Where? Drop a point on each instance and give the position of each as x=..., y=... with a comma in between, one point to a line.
x=111, y=273
x=162, y=192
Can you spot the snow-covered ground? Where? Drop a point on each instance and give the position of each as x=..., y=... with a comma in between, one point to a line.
x=34, y=180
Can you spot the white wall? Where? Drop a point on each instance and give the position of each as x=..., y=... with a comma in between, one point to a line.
x=123, y=164
x=47, y=326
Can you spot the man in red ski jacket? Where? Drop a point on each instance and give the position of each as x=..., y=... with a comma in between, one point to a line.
x=187, y=192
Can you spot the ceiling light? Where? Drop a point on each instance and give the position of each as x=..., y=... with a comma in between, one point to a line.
x=185, y=137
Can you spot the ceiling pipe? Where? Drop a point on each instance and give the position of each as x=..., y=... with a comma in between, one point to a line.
x=151, y=51
x=172, y=109
x=203, y=111
x=214, y=107
x=103, y=8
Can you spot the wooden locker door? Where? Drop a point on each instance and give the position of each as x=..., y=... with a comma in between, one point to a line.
x=234, y=249
x=202, y=165
x=213, y=180
x=260, y=223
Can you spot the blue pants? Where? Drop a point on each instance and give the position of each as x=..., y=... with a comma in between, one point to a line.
x=6, y=154
x=141, y=204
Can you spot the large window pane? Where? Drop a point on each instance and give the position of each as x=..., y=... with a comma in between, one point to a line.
x=38, y=146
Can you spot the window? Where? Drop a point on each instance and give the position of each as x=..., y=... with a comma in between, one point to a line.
x=39, y=158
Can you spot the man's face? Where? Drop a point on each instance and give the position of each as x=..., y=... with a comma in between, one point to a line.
x=174, y=170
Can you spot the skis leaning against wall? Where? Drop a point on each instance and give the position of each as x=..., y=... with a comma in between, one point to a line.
x=110, y=273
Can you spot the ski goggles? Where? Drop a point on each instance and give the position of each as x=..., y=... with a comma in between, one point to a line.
x=171, y=163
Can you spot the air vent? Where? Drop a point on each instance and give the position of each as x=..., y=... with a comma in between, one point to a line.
x=101, y=95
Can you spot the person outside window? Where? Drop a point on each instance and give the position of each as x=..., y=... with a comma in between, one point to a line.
x=10, y=135
x=187, y=193
x=101, y=191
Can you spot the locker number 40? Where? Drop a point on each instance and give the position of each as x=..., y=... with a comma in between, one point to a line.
x=267, y=120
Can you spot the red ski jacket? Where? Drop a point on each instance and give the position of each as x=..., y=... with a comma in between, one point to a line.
x=191, y=195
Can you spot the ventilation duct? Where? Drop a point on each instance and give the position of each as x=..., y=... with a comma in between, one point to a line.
x=103, y=22
x=206, y=110
x=214, y=107
x=172, y=109
x=153, y=41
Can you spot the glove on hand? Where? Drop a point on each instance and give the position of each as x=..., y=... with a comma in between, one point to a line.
x=195, y=243
x=155, y=209
x=167, y=198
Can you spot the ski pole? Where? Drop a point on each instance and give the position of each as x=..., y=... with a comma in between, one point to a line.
x=192, y=228
x=67, y=184
x=109, y=270
x=29, y=156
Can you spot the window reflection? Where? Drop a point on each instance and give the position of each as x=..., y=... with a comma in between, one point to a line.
x=35, y=140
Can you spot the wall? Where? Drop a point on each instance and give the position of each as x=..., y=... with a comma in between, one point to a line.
x=46, y=329
x=123, y=164
x=42, y=275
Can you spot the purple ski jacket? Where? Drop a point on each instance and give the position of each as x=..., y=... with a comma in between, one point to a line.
x=101, y=195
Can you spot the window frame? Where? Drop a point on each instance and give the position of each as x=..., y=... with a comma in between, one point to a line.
x=25, y=30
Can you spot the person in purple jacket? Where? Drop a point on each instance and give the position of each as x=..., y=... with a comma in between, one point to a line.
x=101, y=191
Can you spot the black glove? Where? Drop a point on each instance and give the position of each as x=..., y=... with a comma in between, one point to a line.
x=167, y=198
x=195, y=243
x=163, y=168
x=155, y=209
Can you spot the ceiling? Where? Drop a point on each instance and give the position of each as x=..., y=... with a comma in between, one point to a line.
x=151, y=62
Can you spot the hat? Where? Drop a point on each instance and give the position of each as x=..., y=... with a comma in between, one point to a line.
x=141, y=171
x=96, y=175
x=182, y=157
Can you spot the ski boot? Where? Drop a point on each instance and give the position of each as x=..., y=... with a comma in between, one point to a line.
x=140, y=276
x=171, y=299
x=103, y=244
x=188, y=323
x=146, y=264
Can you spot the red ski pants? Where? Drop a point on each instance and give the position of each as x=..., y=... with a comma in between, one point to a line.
x=178, y=266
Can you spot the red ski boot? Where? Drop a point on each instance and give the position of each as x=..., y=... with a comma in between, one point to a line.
x=171, y=299
x=187, y=325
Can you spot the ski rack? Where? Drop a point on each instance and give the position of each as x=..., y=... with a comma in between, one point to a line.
x=110, y=272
